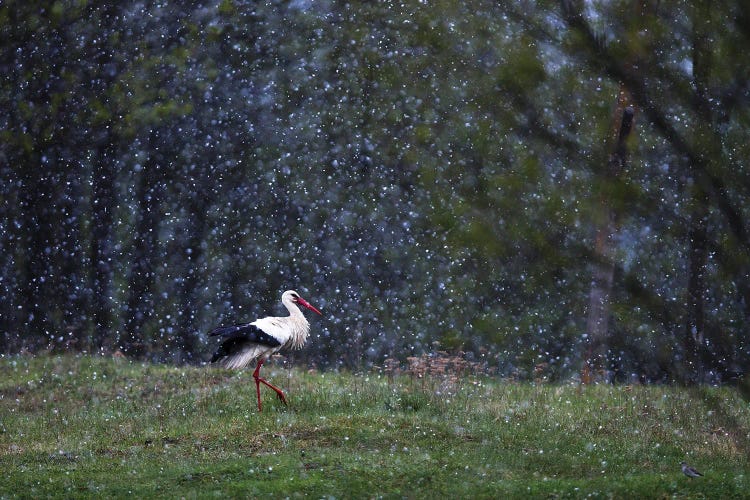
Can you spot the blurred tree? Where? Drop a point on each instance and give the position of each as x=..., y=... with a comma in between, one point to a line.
x=664, y=91
x=427, y=175
x=42, y=231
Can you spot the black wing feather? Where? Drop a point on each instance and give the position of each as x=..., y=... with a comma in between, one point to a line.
x=237, y=336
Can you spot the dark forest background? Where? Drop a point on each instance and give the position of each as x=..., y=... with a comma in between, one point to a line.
x=554, y=188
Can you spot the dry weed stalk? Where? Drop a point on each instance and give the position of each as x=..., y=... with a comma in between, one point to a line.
x=443, y=371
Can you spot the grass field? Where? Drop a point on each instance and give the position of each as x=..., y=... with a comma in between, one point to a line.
x=78, y=426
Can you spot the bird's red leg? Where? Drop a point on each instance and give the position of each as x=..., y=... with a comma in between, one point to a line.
x=259, y=380
x=279, y=392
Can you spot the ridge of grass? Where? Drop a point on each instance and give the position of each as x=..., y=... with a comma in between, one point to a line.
x=81, y=426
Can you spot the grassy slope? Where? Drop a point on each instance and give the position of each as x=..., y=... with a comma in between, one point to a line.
x=82, y=426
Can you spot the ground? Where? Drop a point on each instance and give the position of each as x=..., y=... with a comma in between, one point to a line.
x=81, y=426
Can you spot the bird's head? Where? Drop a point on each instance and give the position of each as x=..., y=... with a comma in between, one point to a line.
x=292, y=296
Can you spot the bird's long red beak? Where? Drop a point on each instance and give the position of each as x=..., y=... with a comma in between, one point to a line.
x=305, y=303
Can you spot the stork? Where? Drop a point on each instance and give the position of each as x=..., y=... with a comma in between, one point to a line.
x=246, y=342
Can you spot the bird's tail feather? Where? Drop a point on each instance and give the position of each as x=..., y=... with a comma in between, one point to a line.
x=240, y=359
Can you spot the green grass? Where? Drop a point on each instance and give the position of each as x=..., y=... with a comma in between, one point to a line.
x=96, y=427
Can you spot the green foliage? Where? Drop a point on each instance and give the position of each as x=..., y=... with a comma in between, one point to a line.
x=82, y=426
x=435, y=173
x=522, y=70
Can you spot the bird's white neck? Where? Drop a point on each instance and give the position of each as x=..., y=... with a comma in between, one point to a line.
x=294, y=311
x=299, y=326
x=300, y=330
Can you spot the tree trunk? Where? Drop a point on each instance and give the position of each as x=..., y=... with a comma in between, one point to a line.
x=33, y=257
x=187, y=339
x=695, y=325
x=597, y=321
x=140, y=301
x=694, y=335
x=100, y=257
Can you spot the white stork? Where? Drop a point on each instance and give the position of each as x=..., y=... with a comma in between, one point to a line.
x=246, y=342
